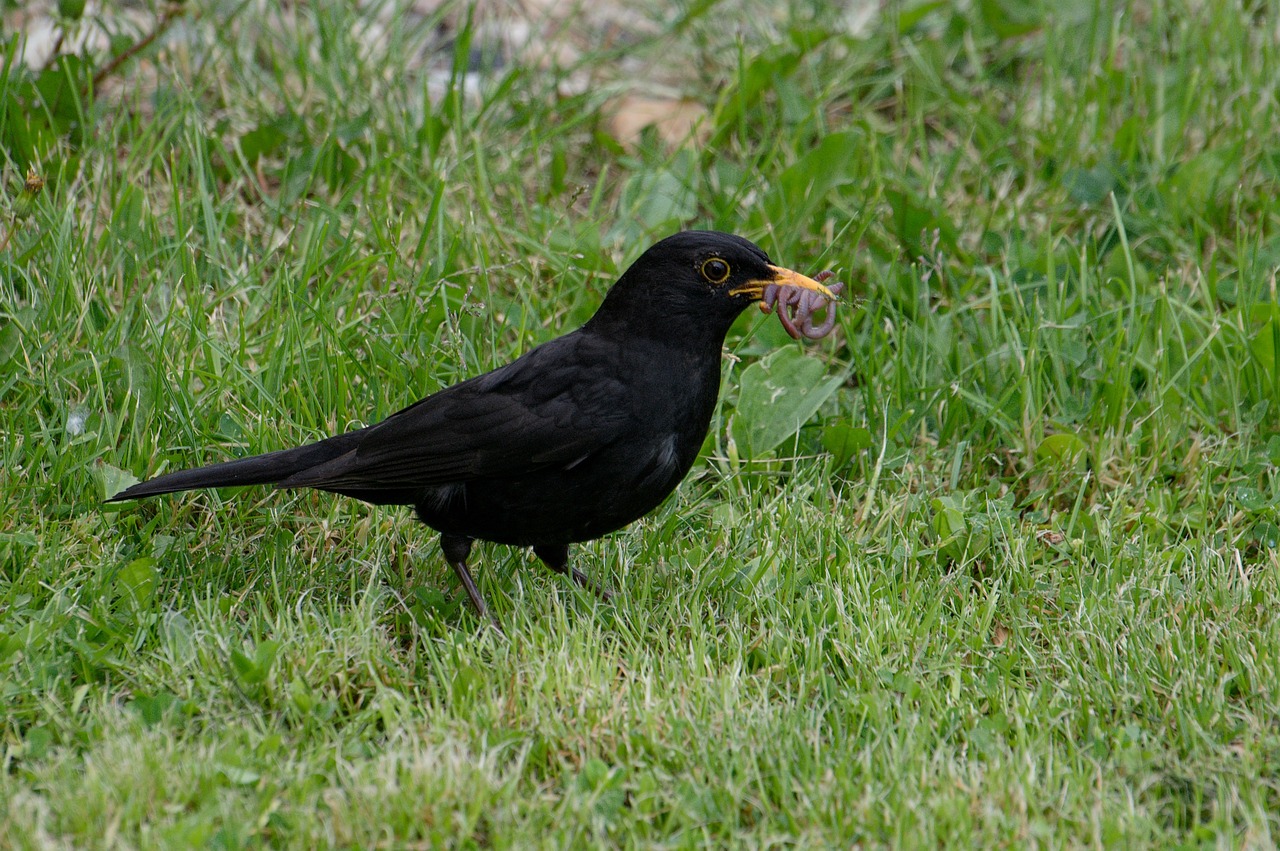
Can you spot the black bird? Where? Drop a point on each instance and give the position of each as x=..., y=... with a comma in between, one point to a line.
x=574, y=439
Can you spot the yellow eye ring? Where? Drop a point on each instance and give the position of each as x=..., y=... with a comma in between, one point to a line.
x=715, y=270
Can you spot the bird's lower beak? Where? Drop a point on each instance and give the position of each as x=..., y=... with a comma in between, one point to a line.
x=783, y=278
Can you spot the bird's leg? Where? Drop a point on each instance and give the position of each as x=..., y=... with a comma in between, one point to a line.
x=456, y=549
x=557, y=558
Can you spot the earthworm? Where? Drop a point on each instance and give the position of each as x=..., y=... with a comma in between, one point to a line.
x=796, y=307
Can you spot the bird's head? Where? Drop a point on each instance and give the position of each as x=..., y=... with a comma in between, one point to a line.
x=694, y=281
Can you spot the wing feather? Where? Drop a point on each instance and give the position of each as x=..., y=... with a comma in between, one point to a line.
x=552, y=407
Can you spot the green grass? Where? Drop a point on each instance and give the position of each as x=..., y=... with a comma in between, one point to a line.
x=1029, y=600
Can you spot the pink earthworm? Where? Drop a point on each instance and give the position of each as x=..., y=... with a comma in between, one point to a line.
x=796, y=307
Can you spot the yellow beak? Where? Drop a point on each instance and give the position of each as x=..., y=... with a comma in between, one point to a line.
x=783, y=278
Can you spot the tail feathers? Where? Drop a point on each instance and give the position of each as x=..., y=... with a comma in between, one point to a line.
x=268, y=469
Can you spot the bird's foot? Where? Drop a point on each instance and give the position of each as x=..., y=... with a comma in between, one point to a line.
x=460, y=568
x=557, y=558
x=585, y=581
x=456, y=549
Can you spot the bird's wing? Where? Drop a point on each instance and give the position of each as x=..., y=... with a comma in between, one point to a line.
x=552, y=407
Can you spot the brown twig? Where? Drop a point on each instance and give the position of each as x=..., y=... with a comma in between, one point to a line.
x=167, y=17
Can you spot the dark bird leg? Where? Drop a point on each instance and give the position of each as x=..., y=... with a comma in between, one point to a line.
x=456, y=549
x=557, y=558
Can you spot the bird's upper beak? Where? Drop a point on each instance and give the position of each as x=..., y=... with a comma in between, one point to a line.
x=783, y=278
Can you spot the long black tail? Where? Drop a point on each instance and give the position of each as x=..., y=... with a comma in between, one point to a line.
x=265, y=469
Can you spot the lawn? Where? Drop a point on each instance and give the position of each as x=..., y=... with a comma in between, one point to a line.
x=1013, y=582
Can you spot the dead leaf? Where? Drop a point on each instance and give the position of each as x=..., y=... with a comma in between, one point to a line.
x=677, y=120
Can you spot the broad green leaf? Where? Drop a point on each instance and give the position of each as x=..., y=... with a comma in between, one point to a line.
x=1011, y=18
x=910, y=16
x=1251, y=499
x=594, y=773
x=265, y=139
x=264, y=655
x=244, y=667
x=153, y=708
x=1089, y=185
x=948, y=518
x=662, y=198
x=137, y=580
x=844, y=441
x=467, y=682
x=252, y=671
x=1062, y=449
x=1203, y=182
x=111, y=480
x=962, y=528
x=779, y=393
x=1265, y=348
x=72, y=10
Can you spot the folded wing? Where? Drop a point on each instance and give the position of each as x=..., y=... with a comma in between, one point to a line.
x=552, y=407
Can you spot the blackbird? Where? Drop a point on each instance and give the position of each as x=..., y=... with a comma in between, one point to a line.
x=576, y=438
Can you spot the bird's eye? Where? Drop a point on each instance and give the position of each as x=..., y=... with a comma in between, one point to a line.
x=715, y=270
